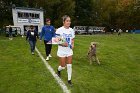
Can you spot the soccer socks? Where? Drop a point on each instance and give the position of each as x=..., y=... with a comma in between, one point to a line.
x=69, y=71
x=60, y=68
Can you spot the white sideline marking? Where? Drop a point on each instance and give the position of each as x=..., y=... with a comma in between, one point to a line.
x=57, y=78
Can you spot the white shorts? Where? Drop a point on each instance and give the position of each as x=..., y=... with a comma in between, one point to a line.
x=64, y=51
x=64, y=54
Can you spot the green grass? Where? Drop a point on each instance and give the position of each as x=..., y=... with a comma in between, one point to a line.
x=119, y=72
x=21, y=72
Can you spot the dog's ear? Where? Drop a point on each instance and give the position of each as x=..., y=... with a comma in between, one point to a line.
x=90, y=46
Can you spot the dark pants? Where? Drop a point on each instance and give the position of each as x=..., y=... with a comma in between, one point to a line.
x=10, y=34
x=119, y=34
x=48, y=47
x=32, y=45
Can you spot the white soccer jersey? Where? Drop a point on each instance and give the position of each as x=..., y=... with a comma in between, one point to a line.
x=67, y=34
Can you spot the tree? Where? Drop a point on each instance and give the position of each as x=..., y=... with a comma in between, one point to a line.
x=110, y=13
x=83, y=12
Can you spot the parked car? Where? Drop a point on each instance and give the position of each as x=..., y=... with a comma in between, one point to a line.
x=88, y=30
x=80, y=29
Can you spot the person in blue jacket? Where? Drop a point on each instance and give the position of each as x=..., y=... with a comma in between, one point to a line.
x=32, y=36
x=47, y=32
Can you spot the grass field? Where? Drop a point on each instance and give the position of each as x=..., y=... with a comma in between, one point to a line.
x=119, y=72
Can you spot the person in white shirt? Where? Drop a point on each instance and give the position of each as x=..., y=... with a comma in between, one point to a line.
x=65, y=50
x=119, y=32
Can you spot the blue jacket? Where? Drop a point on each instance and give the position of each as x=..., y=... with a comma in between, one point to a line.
x=47, y=32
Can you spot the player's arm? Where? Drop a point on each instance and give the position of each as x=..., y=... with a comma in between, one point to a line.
x=58, y=33
x=72, y=43
x=73, y=36
x=65, y=44
x=42, y=33
x=54, y=34
x=27, y=35
x=37, y=35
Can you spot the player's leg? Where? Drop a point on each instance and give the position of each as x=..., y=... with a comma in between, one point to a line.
x=10, y=35
x=69, y=69
x=34, y=44
x=50, y=48
x=62, y=64
x=46, y=49
x=31, y=45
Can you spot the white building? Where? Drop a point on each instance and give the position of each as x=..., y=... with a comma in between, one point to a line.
x=25, y=17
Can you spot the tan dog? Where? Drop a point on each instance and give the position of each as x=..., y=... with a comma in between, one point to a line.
x=92, y=53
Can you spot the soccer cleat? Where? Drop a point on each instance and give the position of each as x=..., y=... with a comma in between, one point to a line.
x=33, y=53
x=98, y=63
x=70, y=83
x=50, y=55
x=58, y=73
x=47, y=58
x=10, y=38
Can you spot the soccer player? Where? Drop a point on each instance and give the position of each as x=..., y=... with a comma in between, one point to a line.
x=48, y=32
x=65, y=50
